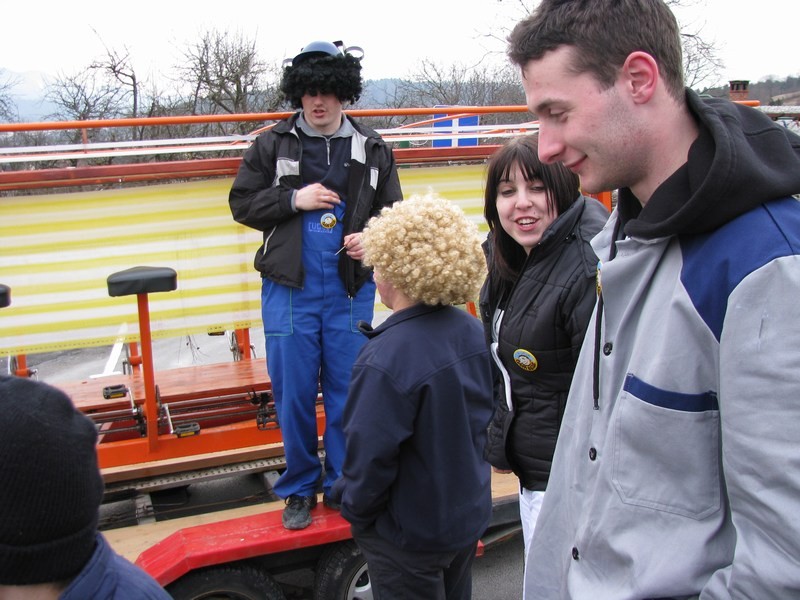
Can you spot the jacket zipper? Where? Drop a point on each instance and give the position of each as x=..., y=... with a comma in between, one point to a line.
x=598, y=319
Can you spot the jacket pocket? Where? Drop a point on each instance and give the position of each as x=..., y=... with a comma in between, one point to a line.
x=362, y=305
x=666, y=450
x=276, y=308
x=497, y=437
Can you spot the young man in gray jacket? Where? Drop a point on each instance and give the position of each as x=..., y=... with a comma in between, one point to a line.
x=676, y=472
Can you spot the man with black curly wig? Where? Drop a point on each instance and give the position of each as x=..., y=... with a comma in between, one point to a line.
x=310, y=184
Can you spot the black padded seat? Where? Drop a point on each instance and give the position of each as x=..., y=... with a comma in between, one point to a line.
x=142, y=280
x=5, y=295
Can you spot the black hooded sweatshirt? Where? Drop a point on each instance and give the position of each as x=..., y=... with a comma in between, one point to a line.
x=740, y=160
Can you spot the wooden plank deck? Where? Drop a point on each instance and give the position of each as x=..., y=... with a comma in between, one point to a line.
x=209, y=382
x=184, y=383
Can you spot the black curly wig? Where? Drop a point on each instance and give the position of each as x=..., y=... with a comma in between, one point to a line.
x=338, y=75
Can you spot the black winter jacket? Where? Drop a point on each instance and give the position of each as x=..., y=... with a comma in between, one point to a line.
x=261, y=198
x=547, y=311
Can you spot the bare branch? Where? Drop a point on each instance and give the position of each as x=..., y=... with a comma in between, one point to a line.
x=227, y=76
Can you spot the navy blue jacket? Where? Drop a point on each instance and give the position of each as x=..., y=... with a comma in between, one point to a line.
x=415, y=423
x=109, y=576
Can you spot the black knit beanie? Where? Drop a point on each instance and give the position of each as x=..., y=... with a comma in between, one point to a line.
x=50, y=485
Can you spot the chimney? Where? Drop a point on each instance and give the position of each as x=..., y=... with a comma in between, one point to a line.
x=738, y=89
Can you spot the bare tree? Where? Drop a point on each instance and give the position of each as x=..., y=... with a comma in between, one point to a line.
x=227, y=76
x=86, y=95
x=8, y=108
x=117, y=66
x=458, y=84
x=701, y=63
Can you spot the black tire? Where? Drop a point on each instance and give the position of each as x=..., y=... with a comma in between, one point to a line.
x=342, y=574
x=226, y=583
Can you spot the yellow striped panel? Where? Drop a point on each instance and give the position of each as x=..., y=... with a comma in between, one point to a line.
x=58, y=250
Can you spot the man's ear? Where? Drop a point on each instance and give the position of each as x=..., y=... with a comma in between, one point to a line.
x=640, y=73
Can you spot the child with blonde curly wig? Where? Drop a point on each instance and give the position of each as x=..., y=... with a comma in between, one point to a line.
x=414, y=484
x=427, y=250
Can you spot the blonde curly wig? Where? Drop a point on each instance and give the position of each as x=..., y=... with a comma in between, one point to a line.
x=427, y=249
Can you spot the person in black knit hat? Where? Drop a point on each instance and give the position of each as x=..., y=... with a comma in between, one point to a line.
x=50, y=494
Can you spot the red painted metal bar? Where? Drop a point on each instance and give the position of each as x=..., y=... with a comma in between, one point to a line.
x=219, y=439
x=22, y=366
x=150, y=406
x=237, y=539
x=243, y=341
x=135, y=359
x=199, y=168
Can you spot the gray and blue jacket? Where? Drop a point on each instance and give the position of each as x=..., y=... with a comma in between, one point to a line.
x=676, y=473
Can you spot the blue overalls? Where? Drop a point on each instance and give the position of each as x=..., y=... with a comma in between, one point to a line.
x=311, y=334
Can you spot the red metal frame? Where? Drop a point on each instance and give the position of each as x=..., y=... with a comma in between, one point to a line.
x=243, y=434
x=202, y=168
x=150, y=406
x=243, y=342
x=155, y=447
x=237, y=539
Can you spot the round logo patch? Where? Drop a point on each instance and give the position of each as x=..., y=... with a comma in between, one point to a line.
x=328, y=220
x=525, y=360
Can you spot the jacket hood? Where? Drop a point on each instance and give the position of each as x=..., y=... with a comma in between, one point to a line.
x=740, y=160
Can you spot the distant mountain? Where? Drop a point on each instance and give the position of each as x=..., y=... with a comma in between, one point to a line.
x=378, y=93
x=27, y=92
x=32, y=110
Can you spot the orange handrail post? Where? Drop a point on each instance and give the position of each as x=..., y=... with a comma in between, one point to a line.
x=135, y=359
x=243, y=341
x=141, y=281
x=150, y=406
x=22, y=366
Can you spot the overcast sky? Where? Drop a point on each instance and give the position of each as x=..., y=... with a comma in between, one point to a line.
x=754, y=40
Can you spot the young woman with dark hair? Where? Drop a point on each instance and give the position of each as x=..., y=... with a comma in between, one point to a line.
x=535, y=304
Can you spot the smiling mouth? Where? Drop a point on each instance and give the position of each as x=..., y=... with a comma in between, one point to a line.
x=576, y=165
x=527, y=221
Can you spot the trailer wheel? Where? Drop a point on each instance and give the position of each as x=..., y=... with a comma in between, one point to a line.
x=226, y=583
x=342, y=574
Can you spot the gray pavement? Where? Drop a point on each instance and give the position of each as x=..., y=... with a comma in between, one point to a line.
x=497, y=575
